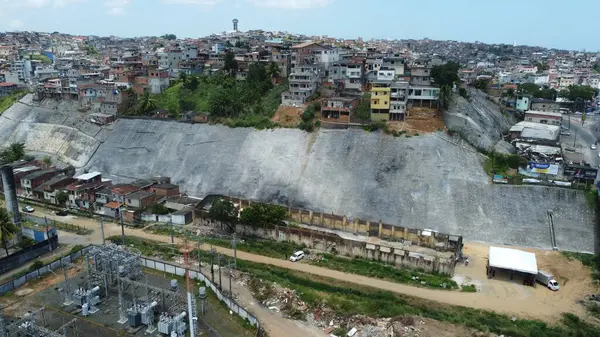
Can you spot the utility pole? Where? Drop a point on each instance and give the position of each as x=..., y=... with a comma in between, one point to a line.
x=102, y=230
x=199, y=259
x=122, y=226
x=212, y=266
x=575, y=138
x=48, y=235
x=234, y=251
x=219, y=262
x=230, y=277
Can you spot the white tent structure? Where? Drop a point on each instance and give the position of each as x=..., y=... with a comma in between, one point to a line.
x=513, y=260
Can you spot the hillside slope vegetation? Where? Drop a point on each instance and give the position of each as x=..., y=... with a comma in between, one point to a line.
x=429, y=181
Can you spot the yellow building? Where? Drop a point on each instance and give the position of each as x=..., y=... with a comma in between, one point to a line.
x=380, y=104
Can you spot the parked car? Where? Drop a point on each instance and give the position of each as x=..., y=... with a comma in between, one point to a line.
x=62, y=212
x=297, y=256
x=593, y=146
x=565, y=133
x=27, y=209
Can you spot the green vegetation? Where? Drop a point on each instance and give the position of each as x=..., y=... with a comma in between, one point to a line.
x=262, y=215
x=446, y=76
x=386, y=272
x=307, y=118
x=591, y=196
x=348, y=299
x=169, y=37
x=363, y=110
x=249, y=103
x=482, y=84
x=463, y=93
x=579, y=93
x=537, y=91
x=14, y=152
x=37, y=264
x=61, y=197
x=468, y=288
x=497, y=163
x=42, y=58
x=7, y=229
x=90, y=50
x=26, y=242
x=224, y=211
x=159, y=209
x=7, y=101
x=76, y=229
x=589, y=260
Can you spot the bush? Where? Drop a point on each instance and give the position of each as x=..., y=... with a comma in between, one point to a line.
x=26, y=242
x=159, y=209
x=463, y=93
x=37, y=264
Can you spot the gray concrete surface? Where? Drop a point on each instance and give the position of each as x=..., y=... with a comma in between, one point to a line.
x=479, y=121
x=429, y=181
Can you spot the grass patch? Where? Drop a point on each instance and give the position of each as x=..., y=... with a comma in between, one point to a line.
x=348, y=299
x=76, y=229
x=497, y=163
x=468, y=288
x=591, y=196
x=7, y=101
x=385, y=272
x=589, y=260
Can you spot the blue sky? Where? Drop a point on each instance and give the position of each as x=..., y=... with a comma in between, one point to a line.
x=549, y=23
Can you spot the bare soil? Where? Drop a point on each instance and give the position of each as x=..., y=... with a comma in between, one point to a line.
x=288, y=116
x=420, y=120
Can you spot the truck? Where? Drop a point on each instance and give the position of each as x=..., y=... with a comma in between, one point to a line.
x=547, y=280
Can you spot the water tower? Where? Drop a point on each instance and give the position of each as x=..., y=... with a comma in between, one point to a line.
x=235, y=25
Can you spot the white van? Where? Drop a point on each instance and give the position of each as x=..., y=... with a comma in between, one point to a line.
x=297, y=256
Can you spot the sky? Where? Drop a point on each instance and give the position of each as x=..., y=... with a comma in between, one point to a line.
x=547, y=23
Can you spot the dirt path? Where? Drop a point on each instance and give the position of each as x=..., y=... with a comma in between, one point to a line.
x=496, y=295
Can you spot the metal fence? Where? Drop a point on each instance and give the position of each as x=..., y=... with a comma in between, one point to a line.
x=25, y=255
x=194, y=274
x=147, y=262
x=48, y=268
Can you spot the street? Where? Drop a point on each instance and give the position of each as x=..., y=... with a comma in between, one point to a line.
x=583, y=136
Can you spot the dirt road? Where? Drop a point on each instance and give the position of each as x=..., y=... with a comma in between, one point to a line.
x=495, y=295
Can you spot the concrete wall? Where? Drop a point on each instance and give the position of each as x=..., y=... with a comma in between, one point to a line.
x=327, y=242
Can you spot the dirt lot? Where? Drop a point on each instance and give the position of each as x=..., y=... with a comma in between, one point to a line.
x=287, y=116
x=573, y=277
x=420, y=120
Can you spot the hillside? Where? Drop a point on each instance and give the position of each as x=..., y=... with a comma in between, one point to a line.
x=428, y=181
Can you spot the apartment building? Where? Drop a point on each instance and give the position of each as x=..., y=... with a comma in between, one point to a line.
x=303, y=83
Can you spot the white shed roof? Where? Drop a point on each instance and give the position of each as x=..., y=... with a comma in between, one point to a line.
x=88, y=176
x=512, y=259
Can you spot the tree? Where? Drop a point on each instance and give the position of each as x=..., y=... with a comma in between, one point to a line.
x=363, y=110
x=14, y=152
x=159, y=209
x=273, y=70
x=579, y=93
x=258, y=77
x=147, y=103
x=224, y=211
x=169, y=37
x=529, y=88
x=224, y=103
x=192, y=83
x=61, y=197
x=263, y=215
x=445, y=96
x=132, y=98
x=47, y=161
x=7, y=228
x=231, y=65
x=446, y=74
x=481, y=84
x=183, y=77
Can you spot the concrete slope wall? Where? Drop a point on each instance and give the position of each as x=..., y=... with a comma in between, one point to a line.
x=427, y=181
x=49, y=131
x=418, y=182
x=478, y=121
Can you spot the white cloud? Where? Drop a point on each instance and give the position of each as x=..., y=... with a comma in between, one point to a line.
x=286, y=4
x=192, y=2
x=15, y=24
x=291, y=4
x=116, y=7
x=53, y=3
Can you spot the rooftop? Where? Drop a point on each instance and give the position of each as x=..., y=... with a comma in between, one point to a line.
x=543, y=113
x=123, y=189
x=140, y=195
x=512, y=259
x=40, y=173
x=88, y=176
x=166, y=186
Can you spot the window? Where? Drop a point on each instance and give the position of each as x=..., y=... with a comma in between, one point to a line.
x=418, y=92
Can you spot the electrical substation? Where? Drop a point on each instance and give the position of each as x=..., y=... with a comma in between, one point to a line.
x=112, y=291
